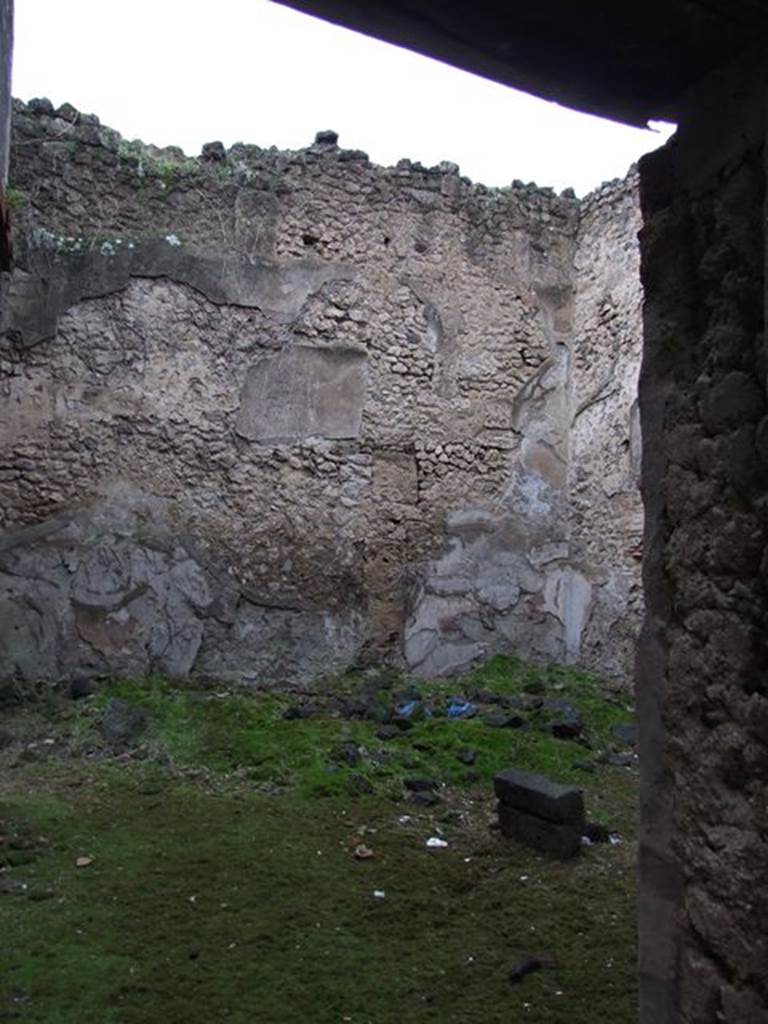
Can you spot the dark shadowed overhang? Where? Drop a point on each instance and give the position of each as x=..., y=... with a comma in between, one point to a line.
x=629, y=61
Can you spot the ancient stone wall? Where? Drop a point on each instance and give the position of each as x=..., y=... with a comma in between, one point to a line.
x=551, y=565
x=703, y=698
x=265, y=414
x=605, y=519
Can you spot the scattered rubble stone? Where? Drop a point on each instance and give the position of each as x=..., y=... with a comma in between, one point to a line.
x=502, y=721
x=327, y=138
x=626, y=733
x=41, y=105
x=487, y=697
x=424, y=799
x=388, y=732
x=213, y=152
x=566, y=721
x=421, y=785
x=596, y=833
x=524, y=701
x=298, y=711
x=348, y=753
x=81, y=687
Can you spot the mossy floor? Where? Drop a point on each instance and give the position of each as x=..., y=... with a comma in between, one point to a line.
x=223, y=885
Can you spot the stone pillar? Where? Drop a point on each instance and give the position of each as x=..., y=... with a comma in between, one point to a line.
x=703, y=662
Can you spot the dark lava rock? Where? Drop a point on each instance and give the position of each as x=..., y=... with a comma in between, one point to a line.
x=421, y=785
x=400, y=723
x=502, y=721
x=347, y=753
x=596, y=833
x=350, y=707
x=41, y=105
x=487, y=697
x=424, y=748
x=564, y=719
x=121, y=724
x=466, y=755
x=213, y=152
x=327, y=138
x=388, y=732
x=68, y=113
x=350, y=155
x=626, y=733
x=424, y=799
x=301, y=711
x=9, y=692
x=81, y=687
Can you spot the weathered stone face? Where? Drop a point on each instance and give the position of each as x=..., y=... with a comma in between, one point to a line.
x=703, y=700
x=355, y=392
x=113, y=588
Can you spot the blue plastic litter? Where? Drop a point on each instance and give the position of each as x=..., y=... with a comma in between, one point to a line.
x=410, y=708
x=459, y=708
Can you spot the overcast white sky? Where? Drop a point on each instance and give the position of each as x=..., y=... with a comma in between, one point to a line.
x=162, y=71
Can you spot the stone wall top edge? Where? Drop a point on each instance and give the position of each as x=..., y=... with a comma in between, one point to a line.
x=612, y=192
x=40, y=120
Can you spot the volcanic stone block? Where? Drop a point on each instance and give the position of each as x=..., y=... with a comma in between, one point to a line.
x=562, y=841
x=538, y=795
x=304, y=392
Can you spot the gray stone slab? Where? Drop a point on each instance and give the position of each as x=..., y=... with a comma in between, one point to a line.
x=562, y=841
x=536, y=794
x=304, y=392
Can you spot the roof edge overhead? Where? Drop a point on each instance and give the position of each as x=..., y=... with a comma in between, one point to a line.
x=629, y=62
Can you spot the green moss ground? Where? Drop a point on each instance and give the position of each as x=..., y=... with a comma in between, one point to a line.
x=223, y=885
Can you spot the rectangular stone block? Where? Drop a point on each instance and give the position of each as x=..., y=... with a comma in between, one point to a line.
x=561, y=841
x=536, y=794
x=304, y=392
